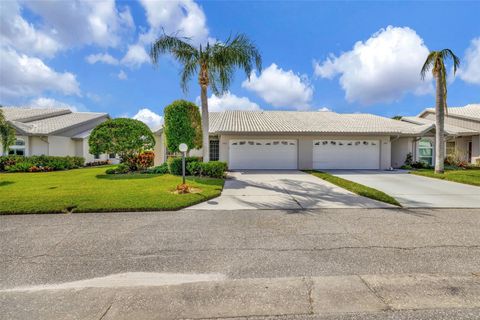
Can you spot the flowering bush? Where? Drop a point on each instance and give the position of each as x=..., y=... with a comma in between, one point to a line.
x=140, y=161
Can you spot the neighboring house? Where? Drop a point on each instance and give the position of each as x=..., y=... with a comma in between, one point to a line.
x=54, y=132
x=310, y=140
x=462, y=128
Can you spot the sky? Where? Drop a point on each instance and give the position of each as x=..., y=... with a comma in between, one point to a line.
x=346, y=57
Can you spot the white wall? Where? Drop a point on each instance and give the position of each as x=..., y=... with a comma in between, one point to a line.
x=400, y=148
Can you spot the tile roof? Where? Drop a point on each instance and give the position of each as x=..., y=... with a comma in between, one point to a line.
x=308, y=122
x=470, y=111
x=450, y=129
x=34, y=121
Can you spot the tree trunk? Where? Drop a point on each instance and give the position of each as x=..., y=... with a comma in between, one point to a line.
x=439, y=124
x=205, y=137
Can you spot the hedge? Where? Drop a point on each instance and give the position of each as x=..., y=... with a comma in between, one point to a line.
x=15, y=163
x=175, y=165
x=193, y=167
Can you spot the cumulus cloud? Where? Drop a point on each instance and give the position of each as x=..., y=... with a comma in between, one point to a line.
x=136, y=56
x=470, y=68
x=49, y=103
x=24, y=76
x=324, y=109
x=381, y=69
x=150, y=118
x=281, y=88
x=76, y=23
x=101, y=57
x=229, y=101
x=122, y=75
x=16, y=32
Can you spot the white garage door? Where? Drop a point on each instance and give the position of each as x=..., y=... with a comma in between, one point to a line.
x=262, y=154
x=346, y=154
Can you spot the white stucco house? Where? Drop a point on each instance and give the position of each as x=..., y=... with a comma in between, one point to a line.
x=326, y=140
x=54, y=132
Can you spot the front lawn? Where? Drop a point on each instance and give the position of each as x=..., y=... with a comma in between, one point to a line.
x=354, y=187
x=470, y=176
x=91, y=190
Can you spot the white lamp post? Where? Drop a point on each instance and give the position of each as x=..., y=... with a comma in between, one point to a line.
x=183, y=148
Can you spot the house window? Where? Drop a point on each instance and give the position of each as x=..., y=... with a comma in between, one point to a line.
x=450, y=148
x=111, y=156
x=18, y=148
x=214, y=150
x=96, y=156
x=425, y=151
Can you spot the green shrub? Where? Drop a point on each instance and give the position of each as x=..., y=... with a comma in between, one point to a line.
x=214, y=169
x=175, y=165
x=6, y=161
x=195, y=168
x=19, y=167
x=51, y=162
x=122, y=168
x=161, y=169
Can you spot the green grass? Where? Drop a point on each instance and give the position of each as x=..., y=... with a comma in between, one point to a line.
x=354, y=187
x=471, y=176
x=91, y=190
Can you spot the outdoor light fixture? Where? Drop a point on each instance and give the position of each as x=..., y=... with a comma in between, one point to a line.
x=183, y=148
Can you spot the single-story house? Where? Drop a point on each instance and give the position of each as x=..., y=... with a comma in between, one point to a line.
x=54, y=132
x=319, y=140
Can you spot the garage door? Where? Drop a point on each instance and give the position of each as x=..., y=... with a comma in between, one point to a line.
x=346, y=154
x=262, y=154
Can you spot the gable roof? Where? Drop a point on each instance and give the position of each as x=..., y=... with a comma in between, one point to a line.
x=308, y=122
x=470, y=112
x=32, y=121
x=449, y=129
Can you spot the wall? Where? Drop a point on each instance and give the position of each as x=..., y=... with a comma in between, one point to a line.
x=160, y=151
x=38, y=146
x=305, y=146
x=475, y=148
x=400, y=148
x=469, y=124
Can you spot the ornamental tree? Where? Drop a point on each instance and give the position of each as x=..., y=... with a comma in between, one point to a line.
x=183, y=124
x=123, y=136
x=7, y=133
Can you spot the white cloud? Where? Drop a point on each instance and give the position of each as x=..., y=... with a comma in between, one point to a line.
x=22, y=35
x=324, y=109
x=136, y=56
x=23, y=76
x=101, y=57
x=470, y=67
x=50, y=103
x=381, y=69
x=122, y=75
x=150, y=118
x=281, y=88
x=75, y=23
x=229, y=101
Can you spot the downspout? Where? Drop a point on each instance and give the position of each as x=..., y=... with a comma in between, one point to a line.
x=45, y=139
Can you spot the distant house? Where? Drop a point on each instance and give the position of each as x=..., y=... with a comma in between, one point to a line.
x=54, y=132
x=329, y=140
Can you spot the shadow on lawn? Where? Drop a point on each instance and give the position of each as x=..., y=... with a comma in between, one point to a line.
x=125, y=176
x=6, y=183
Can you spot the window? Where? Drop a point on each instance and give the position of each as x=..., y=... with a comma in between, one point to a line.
x=96, y=156
x=450, y=148
x=425, y=151
x=214, y=150
x=18, y=148
x=112, y=156
x=324, y=143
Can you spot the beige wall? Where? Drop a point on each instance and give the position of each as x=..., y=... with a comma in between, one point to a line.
x=400, y=148
x=38, y=146
x=159, y=150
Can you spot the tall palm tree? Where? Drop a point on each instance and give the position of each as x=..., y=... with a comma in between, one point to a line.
x=7, y=133
x=436, y=62
x=214, y=63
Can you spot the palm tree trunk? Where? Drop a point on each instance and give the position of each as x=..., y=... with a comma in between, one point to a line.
x=439, y=124
x=205, y=137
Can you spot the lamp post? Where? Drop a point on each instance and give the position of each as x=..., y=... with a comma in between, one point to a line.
x=183, y=148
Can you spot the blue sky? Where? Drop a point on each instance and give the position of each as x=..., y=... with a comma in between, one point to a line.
x=342, y=56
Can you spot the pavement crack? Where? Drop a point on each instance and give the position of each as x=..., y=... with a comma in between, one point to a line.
x=309, y=284
x=106, y=311
x=376, y=294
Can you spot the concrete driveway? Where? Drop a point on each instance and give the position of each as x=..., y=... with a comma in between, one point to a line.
x=415, y=191
x=283, y=189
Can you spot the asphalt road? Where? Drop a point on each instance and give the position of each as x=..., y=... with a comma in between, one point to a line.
x=38, y=250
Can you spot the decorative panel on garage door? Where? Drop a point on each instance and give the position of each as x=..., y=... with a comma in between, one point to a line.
x=346, y=154
x=263, y=154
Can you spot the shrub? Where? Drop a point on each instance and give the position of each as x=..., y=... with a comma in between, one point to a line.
x=214, y=169
x=122, y=168
x=420, y=165
x=50, y=162
x=161, y=169
x=140, y=161
x=175, y=165
x=195, y=168
x=97, y=163
x=408, y=159
x=19, y=167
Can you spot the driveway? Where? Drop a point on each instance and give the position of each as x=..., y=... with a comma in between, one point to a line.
x=416, y=191
x=283, y=189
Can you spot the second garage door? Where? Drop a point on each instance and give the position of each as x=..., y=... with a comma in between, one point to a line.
x=346, y=154
x=262, y=154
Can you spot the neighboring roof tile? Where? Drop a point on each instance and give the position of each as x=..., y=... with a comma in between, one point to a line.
x=450, y=129
x=307, y=122
x=470, y=111
x=31, y=114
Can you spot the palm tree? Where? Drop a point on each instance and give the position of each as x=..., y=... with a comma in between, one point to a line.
x=214, y=63
x=7, y=133
x=436, y=62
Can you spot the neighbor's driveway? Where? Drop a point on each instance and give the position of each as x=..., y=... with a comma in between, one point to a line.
x=415, y=191
x=283, y=189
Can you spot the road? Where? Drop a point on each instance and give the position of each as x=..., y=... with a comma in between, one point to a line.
x=243, y=263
